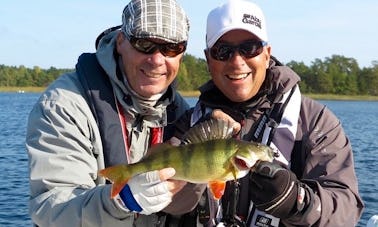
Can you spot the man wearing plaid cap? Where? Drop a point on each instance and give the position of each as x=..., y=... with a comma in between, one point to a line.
x=117, y=104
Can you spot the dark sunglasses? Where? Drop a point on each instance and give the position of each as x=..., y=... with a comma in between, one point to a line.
x=247, y=49
x=146, y=46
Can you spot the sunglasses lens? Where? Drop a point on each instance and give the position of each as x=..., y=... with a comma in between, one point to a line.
x=148, y=47
x=143, y=45
x=172, y=49
x=248, y=49
x=221, y=52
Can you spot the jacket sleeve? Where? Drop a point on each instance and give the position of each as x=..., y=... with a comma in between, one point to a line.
x=64, y=159
x=328, y=169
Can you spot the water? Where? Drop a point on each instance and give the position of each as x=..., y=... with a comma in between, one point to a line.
x=358, y=118
x=360, y=121
x=14, y=189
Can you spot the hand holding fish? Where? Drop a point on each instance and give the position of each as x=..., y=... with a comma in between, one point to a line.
x=219, y=114
x=150, y=192
x=277, y=191
x=208, y=156
x=174, y=186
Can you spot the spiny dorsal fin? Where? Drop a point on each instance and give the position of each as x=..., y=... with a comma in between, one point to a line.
x=209, y=130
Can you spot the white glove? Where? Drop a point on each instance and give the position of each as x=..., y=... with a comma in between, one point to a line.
x=151, y=194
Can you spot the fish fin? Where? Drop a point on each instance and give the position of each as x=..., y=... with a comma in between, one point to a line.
x=217, y=188
x=113, y=174
x=209, y=130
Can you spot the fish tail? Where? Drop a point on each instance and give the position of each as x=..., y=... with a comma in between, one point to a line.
x=113, y=174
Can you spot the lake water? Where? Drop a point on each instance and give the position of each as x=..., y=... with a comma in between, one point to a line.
x=359, y=119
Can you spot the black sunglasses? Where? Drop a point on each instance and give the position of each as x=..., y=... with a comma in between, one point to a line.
x=247, y=49
x=146, y=46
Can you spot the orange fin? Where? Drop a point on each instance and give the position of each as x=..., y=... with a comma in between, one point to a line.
x=114, y=174
x=217, y=188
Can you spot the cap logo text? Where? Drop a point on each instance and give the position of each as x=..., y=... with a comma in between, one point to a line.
x=250, y=19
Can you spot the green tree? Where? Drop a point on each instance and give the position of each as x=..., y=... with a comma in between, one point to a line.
x=368, y=80
x=322, y=81
x=336, y=74
x=183, y=78
x=343, y=72
x=5, y=75
x=304, y=72
x=197, y=73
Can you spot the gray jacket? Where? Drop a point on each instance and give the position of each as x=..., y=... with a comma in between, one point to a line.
x=66, y=152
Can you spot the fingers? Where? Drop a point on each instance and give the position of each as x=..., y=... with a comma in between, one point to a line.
x=174, y=141
x=219, y=114
x=166, y=173
x=267, y=169
x=175, y=186
x=153, y=177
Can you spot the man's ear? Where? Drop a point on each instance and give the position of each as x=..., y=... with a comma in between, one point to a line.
x=120, y=39
x=267, y=52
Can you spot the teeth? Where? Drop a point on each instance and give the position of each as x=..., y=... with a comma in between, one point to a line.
x=237, y=76
x=153, y=75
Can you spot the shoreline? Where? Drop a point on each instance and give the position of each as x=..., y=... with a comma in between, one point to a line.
x=196, y=94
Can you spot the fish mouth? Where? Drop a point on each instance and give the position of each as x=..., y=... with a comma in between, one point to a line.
x=241, y=76
x=243, y=163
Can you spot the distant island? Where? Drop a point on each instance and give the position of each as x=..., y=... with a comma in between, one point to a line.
x=336, y=77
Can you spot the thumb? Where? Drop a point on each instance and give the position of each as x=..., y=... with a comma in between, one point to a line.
x=166, y=173
x=267, y=169
x=219, y=114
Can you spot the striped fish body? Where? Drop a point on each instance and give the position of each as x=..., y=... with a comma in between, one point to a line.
x=218, y=160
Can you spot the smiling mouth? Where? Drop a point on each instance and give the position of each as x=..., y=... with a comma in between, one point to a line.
x=153, y=75
x=238, y=76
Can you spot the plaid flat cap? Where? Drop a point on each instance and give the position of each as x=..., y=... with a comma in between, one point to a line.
x=161, y=19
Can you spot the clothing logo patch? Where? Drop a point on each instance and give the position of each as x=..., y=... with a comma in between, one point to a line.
x=263, y=221
x=250, y=19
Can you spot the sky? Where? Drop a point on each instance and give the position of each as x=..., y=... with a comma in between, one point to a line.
x=47, y=33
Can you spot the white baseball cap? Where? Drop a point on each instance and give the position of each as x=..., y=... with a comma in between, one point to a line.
x=235, y=14
x=373, y=221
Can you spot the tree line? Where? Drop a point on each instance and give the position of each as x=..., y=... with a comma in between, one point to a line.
x=333, y=75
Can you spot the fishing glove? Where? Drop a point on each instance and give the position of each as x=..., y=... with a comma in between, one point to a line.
x=146, y=194
x=276, y=190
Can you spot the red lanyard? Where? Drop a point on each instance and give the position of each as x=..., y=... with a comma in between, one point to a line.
x=156, y=133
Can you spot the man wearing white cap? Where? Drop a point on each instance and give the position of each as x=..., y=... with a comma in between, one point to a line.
x=312, y=182
x=118, y=103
